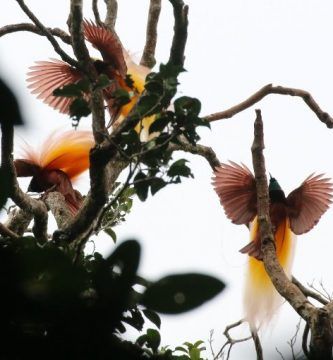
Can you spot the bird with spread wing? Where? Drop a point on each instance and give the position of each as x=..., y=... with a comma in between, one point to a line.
x=116, y=64
x=60, y=160
x=293, y=215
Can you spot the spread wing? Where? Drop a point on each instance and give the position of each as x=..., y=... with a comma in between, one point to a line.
x=236, y=188
x=108, y=44
x=308, y=203
x=47, y=76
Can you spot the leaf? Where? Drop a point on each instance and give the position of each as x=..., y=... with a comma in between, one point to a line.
x=148, y=104
x=155, y=87
x=178, y=168
x=153, y=339
x=174, y=294
x=79, y=108
x=111, y=233
x=194, y=353
x=157, y=184
x=70, y=90
x=102, y=82
x=141, y=186
x=9, y=110
x=121, y=97
x=153, y=317
x=187, y=105
x=159, y=124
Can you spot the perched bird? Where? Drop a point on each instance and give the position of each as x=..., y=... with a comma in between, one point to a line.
x=47, y=76
x=293, y=215
x=60, y=160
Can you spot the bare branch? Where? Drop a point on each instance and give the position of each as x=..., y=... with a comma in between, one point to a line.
x=8, y=29
x=305, y=340
x=180, y=11
x=111, y=13
x=204, y=151
x=96, y=12
x=37, y=208
x=283, y=285
x=257, y=343
x=270, y=89
x=48, y=34
x=309, y=293
x=148, y=56
x=4, y=231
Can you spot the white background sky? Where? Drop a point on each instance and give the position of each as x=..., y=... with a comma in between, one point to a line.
x=234, y=48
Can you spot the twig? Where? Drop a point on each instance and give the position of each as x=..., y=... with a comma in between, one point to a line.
x=270, y=89
x=257, y=343
x=230, y=341
x=309, y=293
x=148, y=56
x=283, y=285
x=96, y=12
x=210, y=341
x=111, y=13
x=48, y=34
x=180, y=11
x=8, y=29
x=37, y=208
x=204, y=151
x=4, y=231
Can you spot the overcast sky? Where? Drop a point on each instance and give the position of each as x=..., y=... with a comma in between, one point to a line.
x=234, y=48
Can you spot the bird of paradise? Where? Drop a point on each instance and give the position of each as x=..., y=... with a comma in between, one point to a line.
x=59, y=161
x=47, y=76
x=293, y=215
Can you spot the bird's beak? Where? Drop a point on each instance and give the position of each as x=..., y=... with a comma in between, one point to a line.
x=270, y=176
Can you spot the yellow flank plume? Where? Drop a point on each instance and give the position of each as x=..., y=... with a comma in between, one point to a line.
x=67, y=151
x=261, y=299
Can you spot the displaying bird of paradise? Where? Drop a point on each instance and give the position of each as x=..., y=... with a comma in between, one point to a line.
x=293, y=215
x=60, y=160
x=116, y=64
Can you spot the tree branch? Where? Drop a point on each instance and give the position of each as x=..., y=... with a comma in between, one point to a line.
x=4, y=231
x=270, y=89
x=8, y=29
x=96, y=12
x=48, y=34
x=25, y=202
x=55, y=201
x=283, y=285
x=257, y=344
x=111, y=13
x=148, y=56
x=309, y=293
x=18, y=221
x=180, y=12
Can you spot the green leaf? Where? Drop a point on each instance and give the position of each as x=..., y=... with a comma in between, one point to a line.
x=148, y=104
x=194, y=353
x=198, y=343
x=181, y=349
x=102, y=82
x=157, y=184
x=141, y=186
x=178, y=168
x=121, y=97
x=70, y=90
x=111, y=233
x=159, y=124
x=174, y=294
x=186, y=105
x=153, y=339
x=155, y=87
x=79, y=108
x=153, y=317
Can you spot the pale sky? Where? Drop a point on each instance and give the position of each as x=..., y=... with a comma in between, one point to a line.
x=234, y=48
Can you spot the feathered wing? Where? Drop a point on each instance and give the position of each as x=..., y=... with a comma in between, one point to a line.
x=308, y=203
x=67, y=151
x=108, y=44
x=236, y=188
x=261, y=300
x=25, y=167
x=47, y=76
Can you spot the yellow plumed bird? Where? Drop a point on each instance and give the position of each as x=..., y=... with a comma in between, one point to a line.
x=293, y=215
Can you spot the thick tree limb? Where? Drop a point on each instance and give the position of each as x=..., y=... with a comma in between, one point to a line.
x=8, y=29
x=111, y=13
x=55, y=201
x=270, y=89
x=180, y=12
x=283, y=285
x=18, y=221
x=48, y=34
x=148, y=56
x=25, y=202
x=4, y=231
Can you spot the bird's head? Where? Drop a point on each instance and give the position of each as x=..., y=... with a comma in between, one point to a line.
x=273, y=184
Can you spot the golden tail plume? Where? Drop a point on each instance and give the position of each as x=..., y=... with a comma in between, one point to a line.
x=261, y=300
